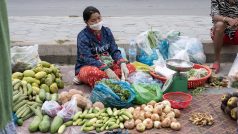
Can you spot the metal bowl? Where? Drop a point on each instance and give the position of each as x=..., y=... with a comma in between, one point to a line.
x=179, y=65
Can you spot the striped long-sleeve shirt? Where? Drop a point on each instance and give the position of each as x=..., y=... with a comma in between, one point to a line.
x=224, y=8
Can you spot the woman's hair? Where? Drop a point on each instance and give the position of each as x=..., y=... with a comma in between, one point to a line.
x=88, y=11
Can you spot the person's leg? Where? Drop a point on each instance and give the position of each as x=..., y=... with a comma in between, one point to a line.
x=219, y=29
x=90, y=75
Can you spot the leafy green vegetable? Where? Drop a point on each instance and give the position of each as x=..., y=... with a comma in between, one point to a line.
x=117, y=89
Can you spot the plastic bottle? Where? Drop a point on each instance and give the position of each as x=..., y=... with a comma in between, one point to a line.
x=132, y=51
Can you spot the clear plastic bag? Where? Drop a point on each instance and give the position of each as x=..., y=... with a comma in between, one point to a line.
x=233, y=74
x=25, y=54
x=51, y=108
x=192, y=46
x=141, y=77
x=69, y=109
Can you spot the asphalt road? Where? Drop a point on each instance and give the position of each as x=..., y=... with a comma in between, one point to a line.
x=108, y=7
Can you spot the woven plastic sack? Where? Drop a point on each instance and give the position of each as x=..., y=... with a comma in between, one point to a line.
x=104, y=94
x=145, y=92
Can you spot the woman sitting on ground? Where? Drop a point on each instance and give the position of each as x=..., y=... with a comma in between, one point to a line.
x=98, y=55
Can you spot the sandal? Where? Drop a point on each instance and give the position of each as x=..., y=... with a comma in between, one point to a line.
x=215, y=67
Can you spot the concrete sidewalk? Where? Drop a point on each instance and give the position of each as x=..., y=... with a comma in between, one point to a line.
x=57, y=35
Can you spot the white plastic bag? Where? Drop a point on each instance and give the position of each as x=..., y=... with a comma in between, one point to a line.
x=192, y=46
x=143, y=43
x=51, y=108
x=233, y=74
x=182, y=55
x=69, y=109
x=25, y=54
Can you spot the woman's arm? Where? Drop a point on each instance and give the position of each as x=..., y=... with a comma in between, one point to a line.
x=216, y=16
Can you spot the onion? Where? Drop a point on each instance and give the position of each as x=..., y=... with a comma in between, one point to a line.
x=137, y=109
x=149, y=108
x=171, y=114
x=166, y=122
x=98, y=105
x=129, y=124
x=175, y=126
x=155, y=117
x=177, y=113
x=141, y=115
x=140, y=127
x=137, y=121
x=148, y=114
x=173, y=120
x=148, y=123
x=152, y=103
x=160, y=105
x=157, y=124
x=162, y=117
x=131, y=109
x=166, y=103
x=142, y=107
x=136, y=114
x=157, y=110
x=167, y=109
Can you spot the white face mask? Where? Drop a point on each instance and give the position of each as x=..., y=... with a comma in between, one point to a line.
x=96, y=26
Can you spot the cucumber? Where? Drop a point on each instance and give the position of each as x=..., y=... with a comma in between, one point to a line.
x=45, y=64
x=26, y=109
x=44, y=126
x=42, y=94
x=20, y=99
x=15, y=97
x=16, y=107
x=19, y=122
x=16, y=86
x=15, y=81
x=25, y=113
x=48, y=96
x=56, y=123
x=29, y=88
x=38, y=99
x=54, y=97
x=24, y=87
x=33, y=127
x=28, y=116
x=61, y=129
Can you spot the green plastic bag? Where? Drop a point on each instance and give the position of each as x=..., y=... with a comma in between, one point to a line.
x=145, y=92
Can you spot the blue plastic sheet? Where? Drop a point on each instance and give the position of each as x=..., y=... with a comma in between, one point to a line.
x=164, y=48
x=104, y=94
x=147, y=59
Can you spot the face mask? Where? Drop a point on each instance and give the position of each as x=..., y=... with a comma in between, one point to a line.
x=96, y=26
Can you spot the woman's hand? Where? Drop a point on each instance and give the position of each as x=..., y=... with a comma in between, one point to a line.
x=232, y=22
x=111, y=74
x=124, y=71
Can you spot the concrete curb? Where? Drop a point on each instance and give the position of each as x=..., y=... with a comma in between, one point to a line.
x=66, y=53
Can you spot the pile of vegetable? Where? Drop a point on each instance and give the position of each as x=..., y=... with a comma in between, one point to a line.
x=201, y=119
x=117, y=89
x=218, y=81
x=32, y=87
x=229, y=104
x=154, y=115
x=82, y=101
x=194, y=74
x=234, y=84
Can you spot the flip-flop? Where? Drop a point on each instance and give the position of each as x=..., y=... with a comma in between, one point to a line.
x=215, y=67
